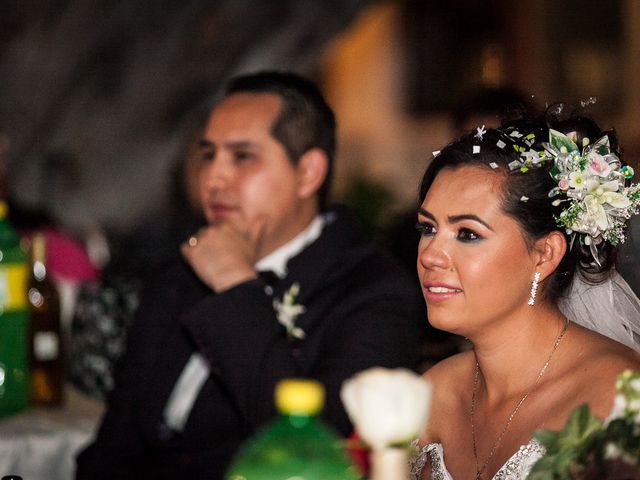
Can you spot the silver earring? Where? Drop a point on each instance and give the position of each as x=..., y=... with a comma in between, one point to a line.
x=534, y=289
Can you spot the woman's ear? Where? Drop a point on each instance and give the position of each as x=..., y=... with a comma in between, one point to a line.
x=312, y=170
x=550, y=250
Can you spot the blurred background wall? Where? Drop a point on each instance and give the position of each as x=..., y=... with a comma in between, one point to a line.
x=98, y=98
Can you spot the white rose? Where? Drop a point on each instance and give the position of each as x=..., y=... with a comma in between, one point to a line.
x=387, y=406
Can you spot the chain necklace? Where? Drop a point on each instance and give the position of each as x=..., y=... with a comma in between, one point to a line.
x=498, y=441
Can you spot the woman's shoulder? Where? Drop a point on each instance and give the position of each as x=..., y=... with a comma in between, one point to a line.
x=596, y=362
x=594, y=350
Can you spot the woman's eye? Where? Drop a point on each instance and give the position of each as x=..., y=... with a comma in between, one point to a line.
x=467, y=235
x=425, y=229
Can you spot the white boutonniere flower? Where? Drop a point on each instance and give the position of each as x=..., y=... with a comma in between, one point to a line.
x=287, y=311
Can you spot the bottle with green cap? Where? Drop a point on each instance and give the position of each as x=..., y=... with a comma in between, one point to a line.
x=297, y=444
x=14, y=317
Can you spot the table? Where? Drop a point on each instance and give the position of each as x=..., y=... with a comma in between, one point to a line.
x=41, y=443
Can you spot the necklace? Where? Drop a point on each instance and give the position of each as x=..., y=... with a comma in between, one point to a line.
x=498, y=441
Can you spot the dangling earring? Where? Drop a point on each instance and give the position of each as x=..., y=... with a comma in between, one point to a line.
x=534, y=289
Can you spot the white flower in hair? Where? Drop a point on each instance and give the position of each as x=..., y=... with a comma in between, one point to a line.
x=598, y=165
x=577, y=180
x=594, y=183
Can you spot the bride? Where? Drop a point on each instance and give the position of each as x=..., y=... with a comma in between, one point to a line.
x=508, y=219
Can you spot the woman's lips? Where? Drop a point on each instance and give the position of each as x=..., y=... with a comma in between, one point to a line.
x=436, y=292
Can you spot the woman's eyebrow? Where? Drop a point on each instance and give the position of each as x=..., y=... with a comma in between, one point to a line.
x=456, y=218
x=468, y=216
x=426, y=213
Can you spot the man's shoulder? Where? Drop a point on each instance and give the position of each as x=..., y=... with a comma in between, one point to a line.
x=344, y=250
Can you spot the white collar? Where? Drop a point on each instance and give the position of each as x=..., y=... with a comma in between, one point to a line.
x=277, y=260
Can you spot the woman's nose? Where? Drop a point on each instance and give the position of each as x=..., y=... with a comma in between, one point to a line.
x=433, y=253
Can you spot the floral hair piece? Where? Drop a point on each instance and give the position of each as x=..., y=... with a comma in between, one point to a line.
x=593, y=183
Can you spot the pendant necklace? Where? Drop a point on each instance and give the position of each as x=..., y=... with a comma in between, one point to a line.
x=498, y=441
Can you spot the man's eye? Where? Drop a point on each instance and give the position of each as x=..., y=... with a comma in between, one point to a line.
x=242, y=156
x=425, y=229
x=468, y=235
x=207, y=155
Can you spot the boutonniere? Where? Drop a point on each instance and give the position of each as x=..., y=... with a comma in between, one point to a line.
x=287, y=311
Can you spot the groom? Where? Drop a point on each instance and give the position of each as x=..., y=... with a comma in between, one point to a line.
x=213, y=335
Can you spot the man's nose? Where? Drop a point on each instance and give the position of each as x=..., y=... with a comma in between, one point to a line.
x=216, y=174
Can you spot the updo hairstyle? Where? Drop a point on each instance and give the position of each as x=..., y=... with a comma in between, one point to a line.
x=525, y=195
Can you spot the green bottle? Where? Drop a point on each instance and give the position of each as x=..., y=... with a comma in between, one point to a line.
x=295, y=445
x=14, y=317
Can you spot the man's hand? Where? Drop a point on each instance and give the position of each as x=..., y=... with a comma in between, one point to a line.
x=224, y=255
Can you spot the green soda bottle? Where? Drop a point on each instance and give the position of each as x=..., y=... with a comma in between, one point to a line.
x=14, y=318
x=295, y=445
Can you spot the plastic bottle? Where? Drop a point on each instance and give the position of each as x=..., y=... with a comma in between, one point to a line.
x=45, y=339
x=297, y=444
x=14, y=385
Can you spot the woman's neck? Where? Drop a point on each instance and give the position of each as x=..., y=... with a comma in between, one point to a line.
x=510, y=361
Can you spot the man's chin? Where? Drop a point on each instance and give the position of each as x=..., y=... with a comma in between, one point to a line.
x=216, y=221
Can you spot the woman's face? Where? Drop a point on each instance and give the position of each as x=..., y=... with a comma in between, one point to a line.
x=473, y=263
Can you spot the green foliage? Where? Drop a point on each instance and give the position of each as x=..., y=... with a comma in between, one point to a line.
x=569, y=447
x=559, y=140
x=588, y=448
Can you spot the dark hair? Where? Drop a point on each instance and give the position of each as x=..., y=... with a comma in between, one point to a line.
x=306, y=121
x=503, y=103
x=536, y=215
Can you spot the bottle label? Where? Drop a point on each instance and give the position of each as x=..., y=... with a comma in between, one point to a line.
x=45, y=346
x=13, y=281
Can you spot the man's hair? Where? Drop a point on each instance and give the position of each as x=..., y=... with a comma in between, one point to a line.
x=305, y=121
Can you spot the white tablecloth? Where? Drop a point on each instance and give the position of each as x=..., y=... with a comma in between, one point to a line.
x=41, y=444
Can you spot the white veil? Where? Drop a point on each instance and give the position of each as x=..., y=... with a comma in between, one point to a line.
x=610, y=308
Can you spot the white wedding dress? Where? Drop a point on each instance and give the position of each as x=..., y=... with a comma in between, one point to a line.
x=516, y=468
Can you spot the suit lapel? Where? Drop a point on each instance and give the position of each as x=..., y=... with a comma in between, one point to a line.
x=322, y=265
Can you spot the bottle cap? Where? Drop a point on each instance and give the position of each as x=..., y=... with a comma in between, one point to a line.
x=38, y=247
x=299, y=396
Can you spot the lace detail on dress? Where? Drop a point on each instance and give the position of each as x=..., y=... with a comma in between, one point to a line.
x=433, y=452
x=516, y=468
x=417, y=461
x=519, y=466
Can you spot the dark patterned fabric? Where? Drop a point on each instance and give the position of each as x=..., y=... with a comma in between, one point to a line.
x=98, y=333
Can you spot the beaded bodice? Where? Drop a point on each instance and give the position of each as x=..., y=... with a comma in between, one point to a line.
x=516, y=468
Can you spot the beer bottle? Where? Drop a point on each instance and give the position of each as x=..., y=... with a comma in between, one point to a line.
x=45, y=359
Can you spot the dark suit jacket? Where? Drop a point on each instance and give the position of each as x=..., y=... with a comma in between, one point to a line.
x=360, y=312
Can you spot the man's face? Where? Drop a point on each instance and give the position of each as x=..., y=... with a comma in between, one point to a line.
x=246, y=176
